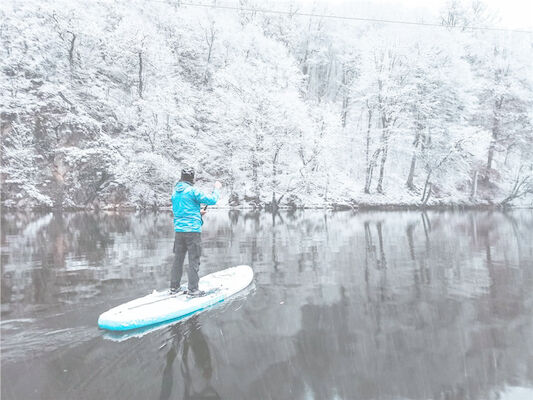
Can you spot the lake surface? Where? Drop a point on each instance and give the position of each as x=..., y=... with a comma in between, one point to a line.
x=373, y=305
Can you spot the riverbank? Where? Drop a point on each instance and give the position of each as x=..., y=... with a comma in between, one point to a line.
x=398, y=199
x=268, y=208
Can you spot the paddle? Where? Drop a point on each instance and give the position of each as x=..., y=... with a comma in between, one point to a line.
x=201, y=215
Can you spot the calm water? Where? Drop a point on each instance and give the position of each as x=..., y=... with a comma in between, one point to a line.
x=380, y=305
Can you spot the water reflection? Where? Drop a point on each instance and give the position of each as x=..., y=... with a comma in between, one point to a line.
x=378, y=305
x=190, y=345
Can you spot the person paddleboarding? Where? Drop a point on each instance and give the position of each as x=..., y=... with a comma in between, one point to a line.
x=167, y=305
x=186, y=207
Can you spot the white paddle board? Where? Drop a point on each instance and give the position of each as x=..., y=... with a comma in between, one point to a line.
x=163, y=306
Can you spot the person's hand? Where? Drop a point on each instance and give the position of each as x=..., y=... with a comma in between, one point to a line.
x=218, y=185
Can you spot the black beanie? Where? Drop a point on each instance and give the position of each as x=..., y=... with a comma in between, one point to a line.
x=187, y=175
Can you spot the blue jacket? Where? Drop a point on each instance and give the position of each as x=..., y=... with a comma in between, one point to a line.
x=186, y=201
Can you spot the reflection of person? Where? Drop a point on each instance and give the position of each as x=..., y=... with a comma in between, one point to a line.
x=188, y=338
x=186, y=201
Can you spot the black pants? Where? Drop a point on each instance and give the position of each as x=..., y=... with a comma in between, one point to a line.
x=186, y=242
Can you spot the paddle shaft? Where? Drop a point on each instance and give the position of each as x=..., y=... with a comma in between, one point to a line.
x=201, y=216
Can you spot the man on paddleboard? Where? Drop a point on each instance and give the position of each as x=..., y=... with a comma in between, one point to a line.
x=186, y=201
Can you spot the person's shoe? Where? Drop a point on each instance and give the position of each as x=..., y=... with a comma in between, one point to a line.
x=175, y=290
x=195, y=293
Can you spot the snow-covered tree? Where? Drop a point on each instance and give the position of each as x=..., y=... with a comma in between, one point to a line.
x=101, y=104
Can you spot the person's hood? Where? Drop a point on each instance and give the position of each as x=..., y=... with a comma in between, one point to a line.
x=182, y=185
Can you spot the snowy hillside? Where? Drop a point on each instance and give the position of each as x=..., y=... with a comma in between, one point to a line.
x=103, y=102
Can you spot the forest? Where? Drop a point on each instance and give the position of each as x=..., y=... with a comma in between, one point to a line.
x=102, y=104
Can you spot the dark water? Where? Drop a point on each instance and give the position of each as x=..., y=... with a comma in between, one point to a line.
x=397, y=305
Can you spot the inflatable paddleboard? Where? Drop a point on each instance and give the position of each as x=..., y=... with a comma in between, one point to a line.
x=163, y=306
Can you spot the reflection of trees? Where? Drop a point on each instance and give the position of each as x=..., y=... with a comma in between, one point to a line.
x=379, y=259
x=410, y=333
x=254, y=218
x=516, y=233
x=61, y=256
x=6, y=285
x=410, y=241
x=233, y=216
x=275, y=261
x=349, y=355
x=196, y=364
x=427, y=228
